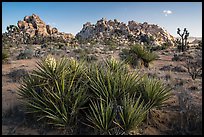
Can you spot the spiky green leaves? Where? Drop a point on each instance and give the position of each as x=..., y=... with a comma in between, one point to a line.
x=155, y=92
x=131, y=113
x=101, y=115
x=138, y=53
x=60, y=92
x=112, y=82
x=55, y=92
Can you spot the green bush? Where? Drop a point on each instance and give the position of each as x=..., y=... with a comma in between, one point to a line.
x=154, y=92
x=26, y=54
x=148, y=57
x=54, y=92
x=112, y=82
x=115, y=65
x=104, y=96
x=101, y=116
x=131, y=114
x=138, y=55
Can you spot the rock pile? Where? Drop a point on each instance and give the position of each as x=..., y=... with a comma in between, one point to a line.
x=123, y=34
x=32, y=27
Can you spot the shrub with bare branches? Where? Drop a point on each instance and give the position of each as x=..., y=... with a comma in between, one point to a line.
x=194, y=67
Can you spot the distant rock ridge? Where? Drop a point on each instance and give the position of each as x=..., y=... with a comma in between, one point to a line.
x=32, y=27
x=133, y=32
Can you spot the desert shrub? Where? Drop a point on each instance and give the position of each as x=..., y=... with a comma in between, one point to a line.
x=26, y=54
x=5, y=55
x=189, y=121
x=175, y=58
x=124, y=53
x=131, y=58
x=194, y=67
x=54, y=92
x=148, y=57
x=105, y=96
x=162, y=47
x=131, y=113
x=165, y=45
x=112, y=83
x=101, y=116
x=180, y=57
x=154, y=92
x=115, y=65
x=137, y=53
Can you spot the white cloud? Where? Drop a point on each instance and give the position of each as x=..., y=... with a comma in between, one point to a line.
x=166, y=12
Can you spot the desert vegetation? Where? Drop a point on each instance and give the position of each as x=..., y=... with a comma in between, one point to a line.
x=137, y=55
x=66, y=93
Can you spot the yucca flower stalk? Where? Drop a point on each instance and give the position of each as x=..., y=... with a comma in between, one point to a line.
x=51, y=62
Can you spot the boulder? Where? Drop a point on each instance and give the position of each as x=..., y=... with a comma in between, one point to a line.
x=54, y=30
x=49, y=29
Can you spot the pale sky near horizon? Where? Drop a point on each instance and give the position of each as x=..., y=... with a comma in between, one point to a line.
x=69, y=17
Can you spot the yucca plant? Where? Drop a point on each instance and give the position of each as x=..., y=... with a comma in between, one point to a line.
x=154, y=91
x=50, y=69
x=101, y=115
x=54, y=93
x=115, y=65
x=102, y=83
x=138, y=50
x=149, y=57
x=110, y=84
x=138, y=54
x=131, y=113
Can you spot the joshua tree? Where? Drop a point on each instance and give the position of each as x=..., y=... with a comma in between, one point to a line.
x=184, y=36
x=12, y=29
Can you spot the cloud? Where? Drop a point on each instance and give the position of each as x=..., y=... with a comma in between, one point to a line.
x=166, y=12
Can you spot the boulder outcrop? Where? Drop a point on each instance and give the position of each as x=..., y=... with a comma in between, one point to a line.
x=132, y=32
x=32, y=27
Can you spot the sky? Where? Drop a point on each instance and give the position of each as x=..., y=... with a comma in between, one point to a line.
x=69, y=17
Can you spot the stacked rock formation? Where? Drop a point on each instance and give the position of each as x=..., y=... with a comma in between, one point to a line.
x=32, y=26
x=133, y=32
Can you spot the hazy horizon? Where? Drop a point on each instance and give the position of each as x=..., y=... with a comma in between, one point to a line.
x=69, y=17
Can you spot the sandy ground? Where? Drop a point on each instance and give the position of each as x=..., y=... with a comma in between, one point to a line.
x=13, y=120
